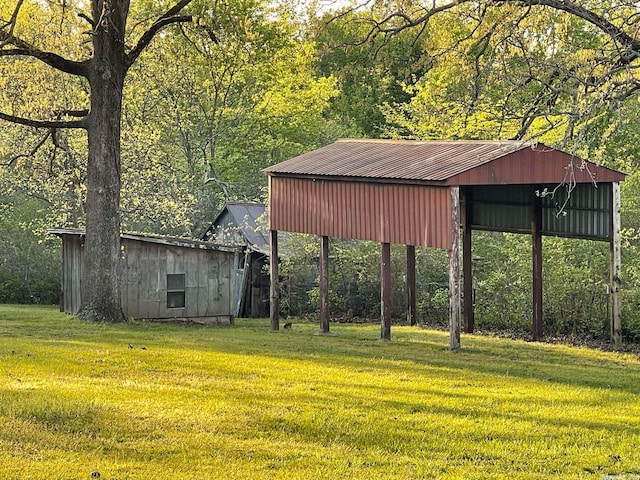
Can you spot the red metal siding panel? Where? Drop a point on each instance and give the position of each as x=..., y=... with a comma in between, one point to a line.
x=535, y=166
x=403, y=214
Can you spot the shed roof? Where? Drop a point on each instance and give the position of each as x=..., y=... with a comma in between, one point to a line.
x=246, y=216
x=163, y=240
x=443, y=162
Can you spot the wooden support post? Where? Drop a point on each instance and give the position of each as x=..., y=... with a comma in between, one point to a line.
x=536, y=233
x=614, y=268
x=385, y=292
x=411, y=284
x=454, y=271
x=467, y=265
x=324, y=285
x=275, y=284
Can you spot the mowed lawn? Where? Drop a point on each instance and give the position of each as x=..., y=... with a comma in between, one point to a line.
x=150, y=401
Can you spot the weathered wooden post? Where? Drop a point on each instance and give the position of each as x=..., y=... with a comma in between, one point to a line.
x=536, y=234
x=467, y=266
x=454, y=271
x=324, y=285
x=411, y=284
x=385, y=292
x=615, y=267
x=275, y=284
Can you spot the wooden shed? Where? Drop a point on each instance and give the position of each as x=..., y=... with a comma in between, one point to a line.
x=244, y=224
x=162, y=278
x=432, y=193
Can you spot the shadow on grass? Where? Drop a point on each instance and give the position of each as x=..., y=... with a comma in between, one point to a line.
x=355, y=346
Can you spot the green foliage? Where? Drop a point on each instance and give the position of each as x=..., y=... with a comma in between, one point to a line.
x=354, y=280
x=502, y=281
x=29, y=266
x=299, y=274
x=211, y=116
x=575, y=279
x=500, y=72
x=369, y=74
x=242, y=402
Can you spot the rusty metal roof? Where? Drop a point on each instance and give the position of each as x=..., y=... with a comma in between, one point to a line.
x=397, y=159
x=444, y=163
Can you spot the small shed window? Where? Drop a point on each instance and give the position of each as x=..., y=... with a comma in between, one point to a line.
x=175, y=290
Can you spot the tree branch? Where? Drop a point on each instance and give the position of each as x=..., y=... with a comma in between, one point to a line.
x=615, y=32
x=31, y=153
x=43, y=123
x=86, y=17
x=170, y=17
x=629, y=53
x=408, y=22
x=54, y=60
x=11, y=23
x=71, y=113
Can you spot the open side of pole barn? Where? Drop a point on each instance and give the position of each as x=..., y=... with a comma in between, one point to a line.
x=430, y=193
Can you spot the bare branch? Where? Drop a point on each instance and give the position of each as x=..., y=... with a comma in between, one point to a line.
x=71, y=113
x=24, y=49
x=633, y=89
x=88, y=19
x=409, y=23
x=397, y=22
x=170, y=17
x=31, y=153
x=632, y=45
x=43, y=123
x=11, y=23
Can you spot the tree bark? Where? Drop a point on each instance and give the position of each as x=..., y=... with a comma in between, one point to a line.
x=108, y=68
x=536, y=235
x=615, y=269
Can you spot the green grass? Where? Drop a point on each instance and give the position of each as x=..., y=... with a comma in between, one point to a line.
x=243, y=403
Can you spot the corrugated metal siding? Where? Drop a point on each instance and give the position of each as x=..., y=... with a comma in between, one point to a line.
x=508, y=208
x=537, y=165
x=504, y=207
x=402, y=214
x=398, y=192
x=504, y=218
x=587, y=212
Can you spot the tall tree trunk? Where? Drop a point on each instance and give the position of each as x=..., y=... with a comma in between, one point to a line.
x=106, y=70
x=101, y=268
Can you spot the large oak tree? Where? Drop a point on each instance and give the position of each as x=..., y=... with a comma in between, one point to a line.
x=104, y=69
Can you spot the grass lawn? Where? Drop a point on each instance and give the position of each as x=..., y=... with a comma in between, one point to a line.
x=239, y=402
